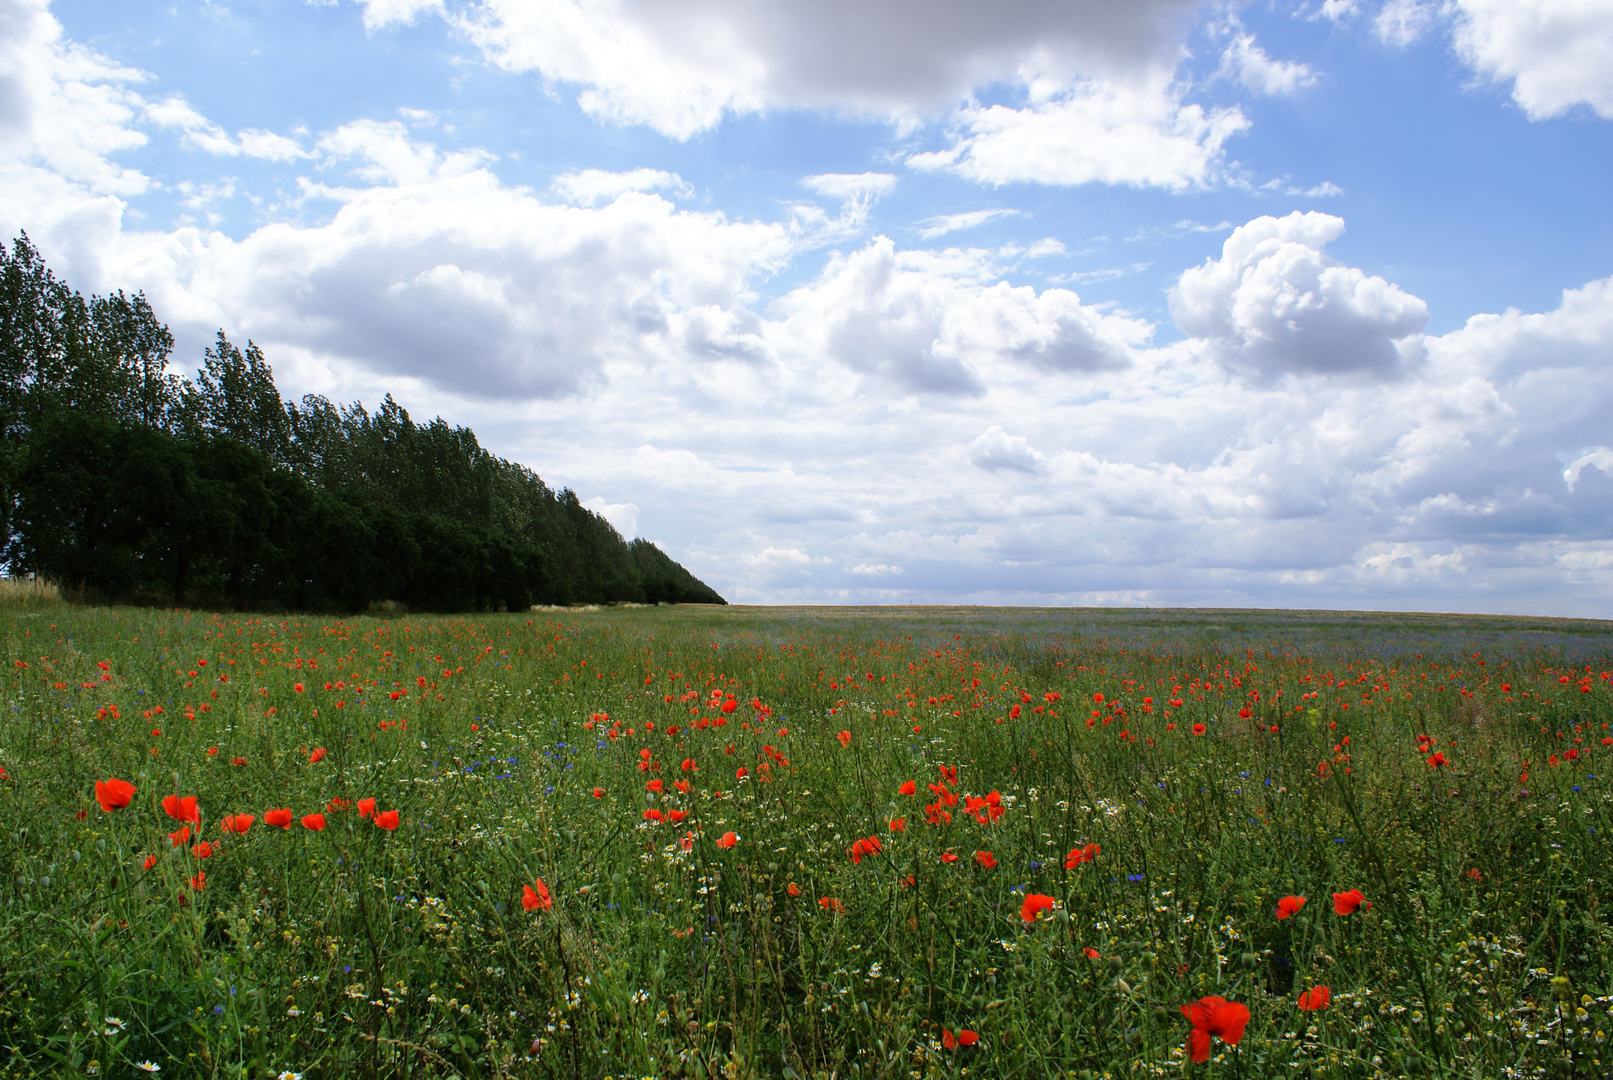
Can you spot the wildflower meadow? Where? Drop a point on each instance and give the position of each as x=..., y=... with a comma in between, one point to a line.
x=805, y=843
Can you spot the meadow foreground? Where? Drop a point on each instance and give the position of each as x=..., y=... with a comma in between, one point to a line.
x=804, y=842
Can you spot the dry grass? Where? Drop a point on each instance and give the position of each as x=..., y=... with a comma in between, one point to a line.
x=26, y=592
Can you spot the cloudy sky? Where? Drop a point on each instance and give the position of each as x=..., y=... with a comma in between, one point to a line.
x=1032, y=301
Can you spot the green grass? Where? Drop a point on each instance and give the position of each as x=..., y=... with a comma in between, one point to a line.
x=357, y=951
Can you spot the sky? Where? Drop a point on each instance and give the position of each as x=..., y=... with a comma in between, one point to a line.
x=1052, y=302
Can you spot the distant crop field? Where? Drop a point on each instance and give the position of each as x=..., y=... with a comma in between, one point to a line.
x=807, y=843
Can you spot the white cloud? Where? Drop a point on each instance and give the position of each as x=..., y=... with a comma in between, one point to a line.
x=1248, y=63
x=432, y=269
x=1407, y=563
x=588, y=187
x=875, y=569
x=969, y=219
x=380, y=14
x=1556, y=53
x=1600, y=458
x=680, y=68
x=939, y=323
x=856, y=192
x=1274, y=303
x=200, y=133
x=622, y=516
x=995, y=449
x=852, y=186
x=1402, y=22
x=63, y=108
x=775, y=555
x=1136, y=133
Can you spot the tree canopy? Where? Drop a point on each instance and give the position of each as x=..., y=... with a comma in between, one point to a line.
x=122, y=480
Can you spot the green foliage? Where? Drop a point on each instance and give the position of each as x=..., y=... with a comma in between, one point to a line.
x=1484, y=948
x=122, y=481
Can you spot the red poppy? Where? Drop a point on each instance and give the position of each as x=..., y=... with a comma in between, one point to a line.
x=386, y=819
x=963, y=1038
x=366, y=807
x=316, y=755
x=114, y=794
x=1317, y=997
x=237, y=823
x=844, y=737
x=298, y=687
x=741, y=773
x=1034, y=902
x=947, y=856
x=986, y=859
x=1438, y=759
x=1080, y=855
x=1215, y=1017
x=203, y=850
x=315, y=822
x=829, y=903
x=690, y=766
x=729, y=839
x=151, y=860
x=654, y=785
x=1289, y=905
x=1092, y=954
x=899, y=824
x=535, y=897
x=179, y=837
x=908, y=788
x=1345, y=903
x=199, y=882
x=181, y=809
x=1199, y=729
x=599, y=793
x=280, y=819
x=793, y=889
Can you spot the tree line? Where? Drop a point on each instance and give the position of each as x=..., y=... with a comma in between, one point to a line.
x=123, y=481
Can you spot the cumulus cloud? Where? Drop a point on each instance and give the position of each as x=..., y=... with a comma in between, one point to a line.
x=1600, y=458
x=1556, y=53
x=63, y=107
x=680, y=68
x=1274, y=303
x=995, y=449
x=432, y=268
x=1248, y=63
x=938, y=323
x=587, y=187
x=622, y=516
x=1137, y=133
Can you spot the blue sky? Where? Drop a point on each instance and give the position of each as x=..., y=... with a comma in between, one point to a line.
x=1164, y=303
